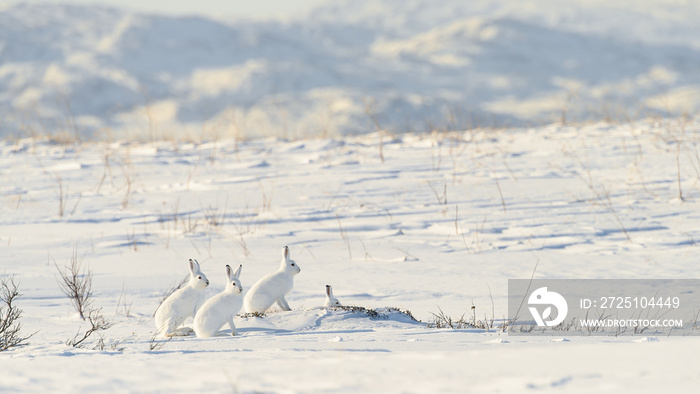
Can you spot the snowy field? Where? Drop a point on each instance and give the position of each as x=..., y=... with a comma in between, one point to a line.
x=414, y=157
x=417, y=222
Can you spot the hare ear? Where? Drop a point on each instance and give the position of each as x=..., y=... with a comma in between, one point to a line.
x=229, y=271
x=193, y=267
x=328, y=290
x=285, y=253
x=237, y=274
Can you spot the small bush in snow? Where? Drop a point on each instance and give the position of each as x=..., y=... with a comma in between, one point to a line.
x=97, y=323
x=9, y=316
x=441, y=320
x=76, y=284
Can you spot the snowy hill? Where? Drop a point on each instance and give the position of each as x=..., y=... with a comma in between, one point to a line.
x=409, y=66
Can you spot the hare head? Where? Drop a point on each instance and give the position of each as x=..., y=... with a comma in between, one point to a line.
x=288, y=265
x=234, y=283
x=197, y=278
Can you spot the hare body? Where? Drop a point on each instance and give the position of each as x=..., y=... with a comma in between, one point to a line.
x=330, y=300
x=221, y=308
x=273, y=287
x=182, y=303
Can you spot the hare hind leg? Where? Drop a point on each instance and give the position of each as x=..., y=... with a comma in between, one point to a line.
x=168, y=329
x=282, y=303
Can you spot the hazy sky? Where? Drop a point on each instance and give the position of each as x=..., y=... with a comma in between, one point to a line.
x=213, y=8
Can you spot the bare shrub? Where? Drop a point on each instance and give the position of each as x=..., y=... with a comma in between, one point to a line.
x=344, y=236
x=678, y=140
x=601, y=195
x=126, y=307
x=244, y=224
x=76, y=283
x=9, y=316
x=215, y=218
x=114, y=345
x=131, y=241
x=156, y=344
x=97, y=323
x=63, y=194
x=441, y=320
x=266, y=197
x=381, y=132
x=442, y=198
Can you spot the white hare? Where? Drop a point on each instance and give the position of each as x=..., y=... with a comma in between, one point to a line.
x=182, y=303
x=330, y=300
x=221, y=308
x=273, y=287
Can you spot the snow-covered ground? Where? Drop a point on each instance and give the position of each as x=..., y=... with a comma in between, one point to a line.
x=225, y=140
x=411, y=66
x=420, y=222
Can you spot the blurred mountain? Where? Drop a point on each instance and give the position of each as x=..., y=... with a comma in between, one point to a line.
x=346, y=68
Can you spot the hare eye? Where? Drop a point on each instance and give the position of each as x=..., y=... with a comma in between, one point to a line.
x=292, y=264
x=199, y=277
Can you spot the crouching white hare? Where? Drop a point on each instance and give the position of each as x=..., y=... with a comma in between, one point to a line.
x=182, y=303
x=330, y=300
x=221, y=308
x=273, y=287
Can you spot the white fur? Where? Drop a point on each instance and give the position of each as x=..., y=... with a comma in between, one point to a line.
x=273, y=287
x=221, y=308
x=330, y=300
x=182, y=303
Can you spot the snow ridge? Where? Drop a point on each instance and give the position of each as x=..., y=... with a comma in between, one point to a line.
x=347, y=68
